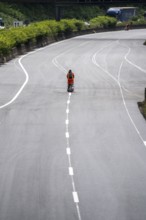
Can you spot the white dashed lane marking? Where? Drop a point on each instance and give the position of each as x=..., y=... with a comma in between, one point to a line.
x=75, y=197
x=71, y=171
x=67, y=134
x=67, y=122
x=67, y=110
x=68, y=152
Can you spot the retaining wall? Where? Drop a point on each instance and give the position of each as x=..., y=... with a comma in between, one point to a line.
x=31, y=45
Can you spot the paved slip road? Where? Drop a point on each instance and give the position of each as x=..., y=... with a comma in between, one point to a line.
x=79, y=156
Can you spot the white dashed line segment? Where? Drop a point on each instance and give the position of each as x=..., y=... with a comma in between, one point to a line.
x=70, y=168
x=75, y=197
x=67, y=122
x=68, y=151
x=71, y=171
x=67, y=134
x=67, y=110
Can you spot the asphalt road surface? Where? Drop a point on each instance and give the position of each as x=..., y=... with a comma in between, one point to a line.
x=79, y=156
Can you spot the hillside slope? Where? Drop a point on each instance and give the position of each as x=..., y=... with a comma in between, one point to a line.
x=38, y=12
x=25, y=12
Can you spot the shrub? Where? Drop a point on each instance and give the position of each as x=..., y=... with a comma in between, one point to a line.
x=94, y=23
x=10, y=38
x=55, y=27
x=80, y=25
x=68, y=26
x=6, y=43
x=38, y=30
x=103, y=22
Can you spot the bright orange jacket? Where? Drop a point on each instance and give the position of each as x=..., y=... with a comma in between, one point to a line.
x=70, y=81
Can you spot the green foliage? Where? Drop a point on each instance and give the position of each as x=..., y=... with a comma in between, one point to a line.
x=103, y=22
x=71, y=25
x=22, y=12
x=8, y=20
x=68, y=26
x=38, y=30
x=9, y=14
x=9, y=10
x=37, y=12
x=12, y=37
x=6, y=43
x=141, y=21
x=82, y=12
x=55, y=27
x=135, y=18
x=140, y=11
x=80, y=25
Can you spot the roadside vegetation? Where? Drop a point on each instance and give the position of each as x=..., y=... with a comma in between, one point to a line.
x=84, y=13
x=14, y=37
x=103, y=22
x=39, y=12
x=28, y=12
x=40, y=23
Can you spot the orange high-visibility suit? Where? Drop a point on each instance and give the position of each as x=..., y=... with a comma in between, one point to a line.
x=70, y=81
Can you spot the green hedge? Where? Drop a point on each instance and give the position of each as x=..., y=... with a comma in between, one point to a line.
x=103, y=22
x=53, y=29
x=14, y=37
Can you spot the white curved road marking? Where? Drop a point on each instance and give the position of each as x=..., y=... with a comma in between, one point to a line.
x=118, y=82
x=22, y=87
